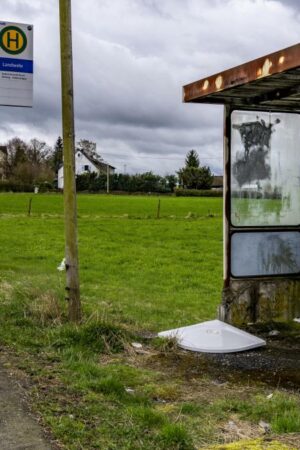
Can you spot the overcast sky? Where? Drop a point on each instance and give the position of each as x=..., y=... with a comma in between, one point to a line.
x=131, y=59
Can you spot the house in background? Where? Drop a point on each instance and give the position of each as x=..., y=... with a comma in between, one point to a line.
x=85, y=162
x=3, y=161
x=217, y=183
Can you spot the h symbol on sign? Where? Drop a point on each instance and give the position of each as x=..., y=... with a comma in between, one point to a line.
x=10, y=39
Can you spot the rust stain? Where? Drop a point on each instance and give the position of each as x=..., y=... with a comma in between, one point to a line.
x=266, y=66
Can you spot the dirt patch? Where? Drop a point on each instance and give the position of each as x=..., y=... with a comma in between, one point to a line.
x=277, y=364
x=205, y=378
x=235, y=429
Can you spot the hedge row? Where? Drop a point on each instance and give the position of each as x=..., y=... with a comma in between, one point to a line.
x=180, y=192
x=8, y=186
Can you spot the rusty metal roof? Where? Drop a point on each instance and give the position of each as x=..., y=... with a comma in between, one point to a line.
x=269, y=82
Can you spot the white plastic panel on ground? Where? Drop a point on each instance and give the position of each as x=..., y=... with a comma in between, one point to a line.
x=213, y=336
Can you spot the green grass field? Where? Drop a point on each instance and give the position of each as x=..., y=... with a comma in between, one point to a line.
x=155, y=272
x=139, y=274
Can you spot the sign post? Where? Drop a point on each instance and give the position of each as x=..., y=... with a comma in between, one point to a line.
x=16, y=64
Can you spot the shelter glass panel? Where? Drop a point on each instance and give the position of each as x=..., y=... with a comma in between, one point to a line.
x=265, y=253
x=265, y=169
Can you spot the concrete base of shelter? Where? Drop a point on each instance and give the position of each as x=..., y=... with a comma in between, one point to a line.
x=260, y=300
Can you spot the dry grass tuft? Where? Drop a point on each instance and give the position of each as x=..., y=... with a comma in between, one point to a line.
x=46, y=309
x=6, y=290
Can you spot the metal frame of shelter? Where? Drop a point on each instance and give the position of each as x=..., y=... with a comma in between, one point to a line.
x=268, y=84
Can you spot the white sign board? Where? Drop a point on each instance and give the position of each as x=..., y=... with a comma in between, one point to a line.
x=16, y=64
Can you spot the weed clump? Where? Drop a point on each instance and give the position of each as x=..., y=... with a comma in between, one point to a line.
x=165, y=345
x=148, y=417
x=98, y=337
x=108, y=386
x=176, y=437
x=192, y=409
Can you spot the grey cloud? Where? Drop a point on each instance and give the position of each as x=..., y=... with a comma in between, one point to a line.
x=292, y=3
x=131, y=58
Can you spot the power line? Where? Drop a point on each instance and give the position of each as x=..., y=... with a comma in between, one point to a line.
x=163, y=157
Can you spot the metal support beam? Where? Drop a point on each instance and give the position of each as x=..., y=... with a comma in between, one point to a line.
x=226, y=197
x=277, y=94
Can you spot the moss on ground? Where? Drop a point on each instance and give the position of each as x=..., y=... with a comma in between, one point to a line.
x=256, y=444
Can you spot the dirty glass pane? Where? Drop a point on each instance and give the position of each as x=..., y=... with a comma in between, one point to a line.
x=265, y=168
x=265, y=253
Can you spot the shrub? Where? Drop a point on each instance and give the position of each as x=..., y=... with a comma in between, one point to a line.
x=180, y=192
x=11, y=186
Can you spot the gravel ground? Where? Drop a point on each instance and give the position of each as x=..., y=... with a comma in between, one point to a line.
x=278, y=363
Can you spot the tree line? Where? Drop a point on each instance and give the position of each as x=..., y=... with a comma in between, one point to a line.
x=31, y=163
x=35, y=163
x=191, y=176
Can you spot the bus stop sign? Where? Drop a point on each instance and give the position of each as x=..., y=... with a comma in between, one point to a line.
x=16, y=64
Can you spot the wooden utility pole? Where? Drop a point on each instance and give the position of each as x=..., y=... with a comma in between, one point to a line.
x=70, y=207
x=107, y=178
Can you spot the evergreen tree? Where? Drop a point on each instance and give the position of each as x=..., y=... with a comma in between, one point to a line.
x=192, y=159
x=194, y=176
x=57, y=157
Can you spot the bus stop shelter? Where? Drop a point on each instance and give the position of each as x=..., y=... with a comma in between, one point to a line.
x=261, y=101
